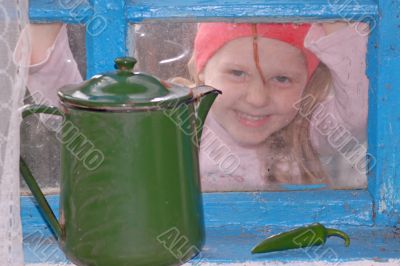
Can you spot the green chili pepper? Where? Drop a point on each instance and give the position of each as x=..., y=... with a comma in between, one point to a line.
x=312, y=235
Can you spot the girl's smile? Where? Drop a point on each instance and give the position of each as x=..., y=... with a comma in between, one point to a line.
x=253, y=121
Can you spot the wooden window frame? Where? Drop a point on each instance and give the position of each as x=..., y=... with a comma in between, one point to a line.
x=379, y=204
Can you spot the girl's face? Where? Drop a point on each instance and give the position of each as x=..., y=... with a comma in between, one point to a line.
x=251, y=106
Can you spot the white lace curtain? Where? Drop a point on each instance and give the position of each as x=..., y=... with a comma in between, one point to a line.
x=13, y=17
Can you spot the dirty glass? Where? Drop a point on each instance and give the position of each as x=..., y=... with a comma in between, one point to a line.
x=40, y=146
x=275, y=126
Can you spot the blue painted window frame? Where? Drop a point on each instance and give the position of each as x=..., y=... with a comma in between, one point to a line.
x=379, y=204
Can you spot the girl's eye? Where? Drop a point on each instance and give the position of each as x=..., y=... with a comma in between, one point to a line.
x=237, y=73
x=282, y=79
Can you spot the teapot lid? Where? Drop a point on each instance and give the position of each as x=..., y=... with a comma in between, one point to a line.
x=123, y=90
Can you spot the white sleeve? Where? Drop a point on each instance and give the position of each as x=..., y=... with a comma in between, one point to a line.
x=344, y=53
x=56, y=70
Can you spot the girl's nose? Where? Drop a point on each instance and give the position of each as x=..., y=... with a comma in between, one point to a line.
x=258, y=95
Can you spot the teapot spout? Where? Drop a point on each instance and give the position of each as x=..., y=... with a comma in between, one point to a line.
x=204, y=96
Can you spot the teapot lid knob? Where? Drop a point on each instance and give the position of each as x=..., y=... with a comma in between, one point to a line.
x=125, y=63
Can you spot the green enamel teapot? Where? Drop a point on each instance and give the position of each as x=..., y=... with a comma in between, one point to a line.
x=130, y=187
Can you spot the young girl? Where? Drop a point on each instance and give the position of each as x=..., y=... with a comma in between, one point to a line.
x=264, y=72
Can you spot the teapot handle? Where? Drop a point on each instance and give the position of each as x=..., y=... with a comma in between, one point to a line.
x=30, y=180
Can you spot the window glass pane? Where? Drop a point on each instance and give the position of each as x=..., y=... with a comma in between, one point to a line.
x=294, y=106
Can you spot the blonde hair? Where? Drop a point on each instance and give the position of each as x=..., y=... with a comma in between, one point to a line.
x=291, y=146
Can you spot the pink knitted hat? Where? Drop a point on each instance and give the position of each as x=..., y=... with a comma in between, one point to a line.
x=212, y=36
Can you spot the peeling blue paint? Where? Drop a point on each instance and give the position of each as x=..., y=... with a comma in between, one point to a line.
x=104, y=45
x=139, y=10
x=52, y=10
x=298, y=10
x=383, y=122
